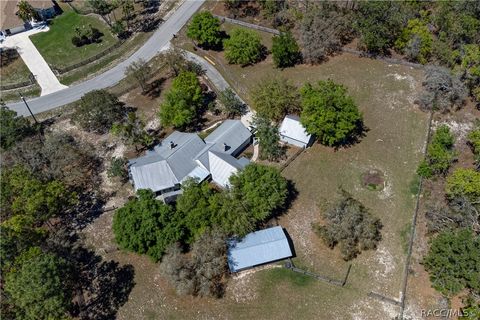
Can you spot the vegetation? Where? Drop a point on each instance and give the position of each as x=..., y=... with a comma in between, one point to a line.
x=440, y=153
x=285, y=50
x=39, y=286
x=330, y=114
x=351, y=226
x=132, y=131
x=453, y=262
x=415, y=41
x=243, y=47
x=202, y=271
x=118, y=168
x=232, y=105
x=141, y=71
x=474, y=142
x=26, y=12
x=276, y=97
x=146, y=225
x=269, y=139
x=86, y=35
x=460, y=212
x=13, y=128
x=464, y=183
x=205, y=29
x=183, y=101
x=98, y=111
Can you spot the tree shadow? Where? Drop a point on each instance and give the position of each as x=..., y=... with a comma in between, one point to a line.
x=355, y=138
x=155, y=88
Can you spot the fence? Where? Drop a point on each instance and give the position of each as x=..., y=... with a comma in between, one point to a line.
x=89, y=60
x=339, y=283
x=287, y=163
x=248, y=25
x=31, y=80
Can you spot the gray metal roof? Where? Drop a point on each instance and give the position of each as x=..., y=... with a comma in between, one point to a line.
x=292, y=128
x=154, y=175
x=257, y=248
x=232, y=133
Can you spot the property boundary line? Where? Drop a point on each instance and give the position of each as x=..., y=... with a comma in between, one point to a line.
x=339, y=283
x=413, y=228
x=247, y=25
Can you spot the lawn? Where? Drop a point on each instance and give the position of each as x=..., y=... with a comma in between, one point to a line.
x=56, y=45
x=14, y=72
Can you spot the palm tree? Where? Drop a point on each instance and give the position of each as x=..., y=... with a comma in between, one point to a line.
x=26, y=12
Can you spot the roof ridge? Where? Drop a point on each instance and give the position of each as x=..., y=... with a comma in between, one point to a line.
x=258, y=244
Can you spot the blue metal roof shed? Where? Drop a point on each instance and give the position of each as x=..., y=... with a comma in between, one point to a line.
x=257, y=248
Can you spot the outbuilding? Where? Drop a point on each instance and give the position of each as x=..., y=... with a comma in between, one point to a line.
x=292, y=132
x=258, y=248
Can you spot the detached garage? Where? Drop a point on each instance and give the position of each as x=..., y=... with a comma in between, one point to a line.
x=292, y=132
x=257, y=248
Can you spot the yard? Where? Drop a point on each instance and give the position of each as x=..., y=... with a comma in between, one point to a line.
x=393, y=144
x=13, y=70
x=56, y=45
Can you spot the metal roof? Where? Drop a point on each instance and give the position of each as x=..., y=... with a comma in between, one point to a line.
x=155, y=175
x=231, y=133
x=257, y=248
x=222, y=166
x=292, y=128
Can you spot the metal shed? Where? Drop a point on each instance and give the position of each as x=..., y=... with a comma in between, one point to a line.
x=292, y=132
x=259, y=247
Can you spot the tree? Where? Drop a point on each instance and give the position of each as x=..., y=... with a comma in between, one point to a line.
x=183, y=101
x=103, y=8
x=460, y=213
x=132, y=131
x=440, y=153
x=202, y=272
x=243, y=47
x=232, y=105
x=453, y=262
x=442, y=91
x=127, y=9
x=26, y=12
x=474, y=142
x=324, y=29
x=146, y=225
x=469, y=69
x=98, y=110
x=378, y=24
x=175, y=59
x=269, y=139
x=13, y=128
x=464, y=183
x=415, y=41
x=205, y=28
x=118, y=168
x=330, y=113
x=285, y=50
x=351, y=226
x=260, y=190
x=39, y=286
x=141, y=71
x=276, y=97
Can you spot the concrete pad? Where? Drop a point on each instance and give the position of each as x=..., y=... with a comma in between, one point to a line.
x=34, y=60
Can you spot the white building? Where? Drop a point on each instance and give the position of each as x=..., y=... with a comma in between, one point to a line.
x=292, y=132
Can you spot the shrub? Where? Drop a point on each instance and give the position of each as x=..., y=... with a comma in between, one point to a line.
x=285, y=50
x=415, y=41
x=464, y=183
x=205, y=28
x=118, y=168
x=440, y=154
x=243, y=47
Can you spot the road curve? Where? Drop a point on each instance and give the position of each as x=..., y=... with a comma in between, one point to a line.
x=155, y=43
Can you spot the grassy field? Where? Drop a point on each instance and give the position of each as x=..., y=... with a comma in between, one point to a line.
x=15, y=72
x=56, y=45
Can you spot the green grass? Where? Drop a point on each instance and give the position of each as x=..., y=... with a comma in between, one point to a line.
x=274, y=276
x=14, y=95
x=56, y=45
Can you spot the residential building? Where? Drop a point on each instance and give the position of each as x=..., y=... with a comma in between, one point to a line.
x=11, y=23
x=258, y=248
x=185, y=155
x=292, y=132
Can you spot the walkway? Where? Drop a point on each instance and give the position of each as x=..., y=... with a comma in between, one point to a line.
x=157, y=41
x=46, y=79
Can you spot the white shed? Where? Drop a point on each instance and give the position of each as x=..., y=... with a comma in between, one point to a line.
x=292, y=132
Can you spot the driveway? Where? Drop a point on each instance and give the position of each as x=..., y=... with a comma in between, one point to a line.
x=157, y=41
x=33, y=59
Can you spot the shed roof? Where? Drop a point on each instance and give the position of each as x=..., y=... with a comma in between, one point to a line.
x=257, y=248
x=292, y=128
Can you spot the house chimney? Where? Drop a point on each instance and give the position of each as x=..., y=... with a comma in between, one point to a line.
x=225, y=147
x=172, y=145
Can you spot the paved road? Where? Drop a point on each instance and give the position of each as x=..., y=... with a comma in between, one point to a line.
x=157, y=41
x=33, y=59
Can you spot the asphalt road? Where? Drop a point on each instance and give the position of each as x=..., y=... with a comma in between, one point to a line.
x=157, y=41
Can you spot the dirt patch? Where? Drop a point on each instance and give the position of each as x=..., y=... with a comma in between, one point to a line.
x=373, y=180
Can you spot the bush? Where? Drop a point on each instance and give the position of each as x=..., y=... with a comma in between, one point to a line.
x=330, y=114
x=118, y=168
x=474, y=142
x=233, y=106
x=13, y=128
x=285, y=50
x=269, y=139
x=464, y=183
x=440, y=153
x=243, y=47
x=415, y=41
x=205, y=28
x=351, y=226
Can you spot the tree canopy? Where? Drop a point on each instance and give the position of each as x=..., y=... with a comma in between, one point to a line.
x=205, y=28
x=146, y=225
x=183, y=101
x=98, y=111
x=39, y=286
x=453, y=262
x=243, y=47
x=276, y=97
x=233, y=106
x=351, y=226
x=13, y=128
x=440, y=153
x=329, y=113
x=269, y=139
x=415, y=41
x=464, y=183
x=285, y=50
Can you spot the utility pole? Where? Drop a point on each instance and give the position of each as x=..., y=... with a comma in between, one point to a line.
x=26, y=104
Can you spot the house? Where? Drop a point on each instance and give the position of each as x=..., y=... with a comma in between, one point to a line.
x=292, y=132
x=185, y=155
x=257, y=248
x=11, y=23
